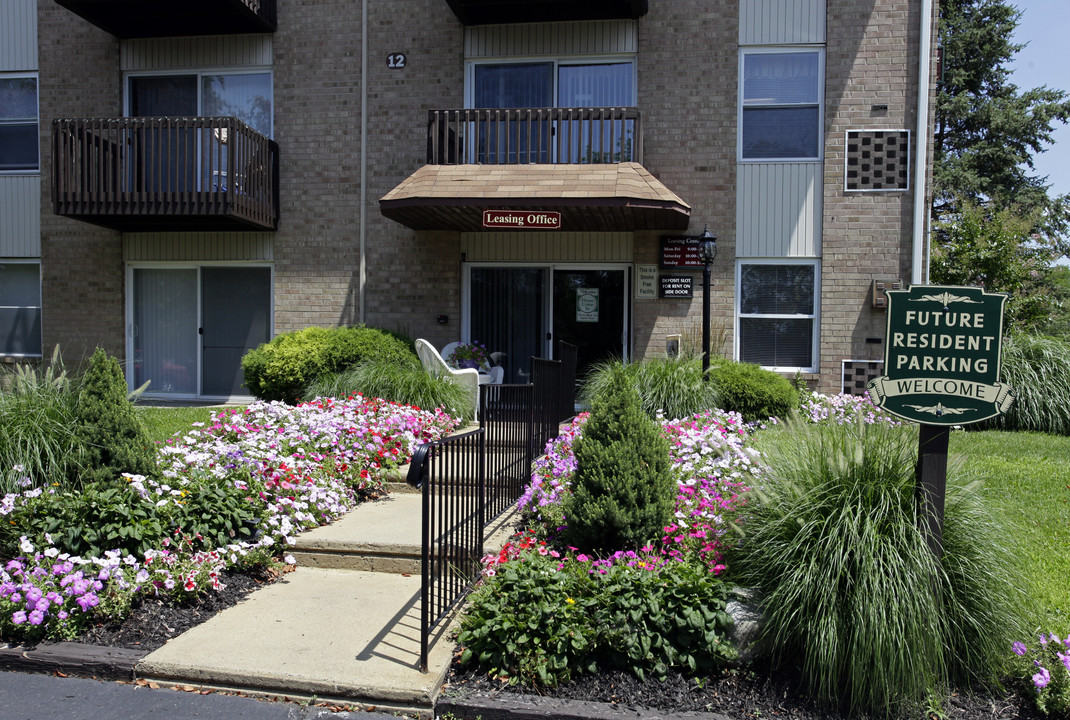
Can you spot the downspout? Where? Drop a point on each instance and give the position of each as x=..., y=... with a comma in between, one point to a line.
x=920, y=274
x=363, y=273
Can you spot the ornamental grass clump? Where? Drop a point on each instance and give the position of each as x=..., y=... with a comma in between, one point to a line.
x=1038, y=368
x=38, y=442
x=623, y=490
x=672, y=387
x=852, y=591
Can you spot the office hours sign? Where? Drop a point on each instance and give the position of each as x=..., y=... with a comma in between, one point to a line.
x=942, y=356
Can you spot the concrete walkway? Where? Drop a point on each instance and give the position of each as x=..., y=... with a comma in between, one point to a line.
x=344, y=626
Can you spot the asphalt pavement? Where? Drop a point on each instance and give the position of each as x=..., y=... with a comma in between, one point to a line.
x=29, y=696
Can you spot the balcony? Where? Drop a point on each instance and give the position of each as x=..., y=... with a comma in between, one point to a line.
x=175, y=18
x=492, y=12
x=583, y=163
x=145, y=174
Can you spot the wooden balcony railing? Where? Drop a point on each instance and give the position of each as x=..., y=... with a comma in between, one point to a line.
x=176, y=18
x=153, y=173
x=534, y=135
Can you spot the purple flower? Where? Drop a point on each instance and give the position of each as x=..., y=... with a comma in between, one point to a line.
x=18, y=617
x=1065, y=658
x=1042, y=678
x=1018, y=648
x=37, y=617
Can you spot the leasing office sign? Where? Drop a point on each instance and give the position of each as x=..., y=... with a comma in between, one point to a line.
x=942, y=356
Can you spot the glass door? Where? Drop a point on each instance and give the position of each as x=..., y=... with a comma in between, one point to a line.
x=236, y=309
x=596, y=86
x=508, y=309
x=512, y=85
x=590, y=312
x=165, y=160
x=189, y=327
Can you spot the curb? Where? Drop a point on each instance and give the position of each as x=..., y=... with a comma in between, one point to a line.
x=538, y=707
x=111, y=663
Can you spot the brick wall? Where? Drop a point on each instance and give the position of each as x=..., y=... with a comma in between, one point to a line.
x=81, y=264
x=688, y=73
x=871, y=59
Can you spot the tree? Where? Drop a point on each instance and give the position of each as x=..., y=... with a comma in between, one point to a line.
x=995, y=248
x=987, y=131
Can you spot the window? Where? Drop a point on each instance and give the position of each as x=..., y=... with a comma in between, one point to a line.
x=246, y=96
x=777, y=314
x=20, y=308
x=555, y=84
x=780, y=116
x=18, y=124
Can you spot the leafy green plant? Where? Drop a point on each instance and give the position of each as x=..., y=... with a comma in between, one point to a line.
x=542, y=620
x=1044, y=670
x=216, y=511
x=755, y=393
x=672, y=386
x=1038, y=369
x=109, y=515
x=403, y=383
x=283, y=368
x=622, y=492
x=107, y=425
x=38, y=442
x=852, y=591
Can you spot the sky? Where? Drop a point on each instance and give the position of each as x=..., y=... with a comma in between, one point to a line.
x=1044, y=28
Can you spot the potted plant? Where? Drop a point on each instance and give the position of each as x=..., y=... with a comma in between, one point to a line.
x=469, y=355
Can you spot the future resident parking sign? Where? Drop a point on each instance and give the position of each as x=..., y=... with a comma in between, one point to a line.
x=942, y=356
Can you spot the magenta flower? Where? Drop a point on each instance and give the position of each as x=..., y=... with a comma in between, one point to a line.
x=1042, y=678
x=1018, y=648
x=18, y=617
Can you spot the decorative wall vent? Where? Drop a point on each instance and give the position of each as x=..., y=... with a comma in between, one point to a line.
x=880, y=300
x=877, y=161
x=858, y=373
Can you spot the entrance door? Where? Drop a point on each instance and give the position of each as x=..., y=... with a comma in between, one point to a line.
x=190, y=327
x=519, y=311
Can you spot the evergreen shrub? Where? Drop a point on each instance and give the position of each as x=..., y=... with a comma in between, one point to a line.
x=108, y=427
x=623, y=491
x=755, y=393
x=282, y=368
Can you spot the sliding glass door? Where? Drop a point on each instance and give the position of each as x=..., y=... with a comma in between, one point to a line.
x=189, y=327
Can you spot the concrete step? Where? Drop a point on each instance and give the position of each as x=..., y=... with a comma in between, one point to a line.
x=378, y=536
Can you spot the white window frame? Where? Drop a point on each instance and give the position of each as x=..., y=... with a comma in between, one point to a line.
x=199, y=73
x=815, y=317
x=40, y=301
x=782, y=49
x=22, y=121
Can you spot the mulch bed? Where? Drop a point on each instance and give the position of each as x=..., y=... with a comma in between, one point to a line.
x=760, y=693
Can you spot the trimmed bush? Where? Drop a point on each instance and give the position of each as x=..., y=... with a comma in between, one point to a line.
x=852, y=592
x=623, y=492
x=406, y=384
x=755, y=393
x=107, y=425
x=1038, y=368
x=282, y=368
x=672, y=385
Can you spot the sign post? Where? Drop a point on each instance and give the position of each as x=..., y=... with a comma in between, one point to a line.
x=941, y=365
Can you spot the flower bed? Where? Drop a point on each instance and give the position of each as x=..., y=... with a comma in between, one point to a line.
x=299, y=467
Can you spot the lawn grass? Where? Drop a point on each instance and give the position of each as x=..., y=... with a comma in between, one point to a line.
x=1028, y=478
x=163, y=422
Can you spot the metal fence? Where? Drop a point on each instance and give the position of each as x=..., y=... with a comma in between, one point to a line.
x=469, y=479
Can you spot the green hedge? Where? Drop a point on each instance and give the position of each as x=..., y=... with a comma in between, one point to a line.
x=282, y=368
x=754, y=393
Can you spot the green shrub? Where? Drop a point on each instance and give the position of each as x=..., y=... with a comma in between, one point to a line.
x=672, y=385
x=283, y=368
x=755, y=393
x=109, y=515
x=107, y=425
x=403, y=383
x=1038, y=368
x=38, y=441
x=215, y=512
x=852, y=592
x=535, y=624
x=623, y=491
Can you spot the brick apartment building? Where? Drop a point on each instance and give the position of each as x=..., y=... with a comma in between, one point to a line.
x=181, y=180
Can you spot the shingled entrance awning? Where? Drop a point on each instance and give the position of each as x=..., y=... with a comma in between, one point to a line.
x=593, y=198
